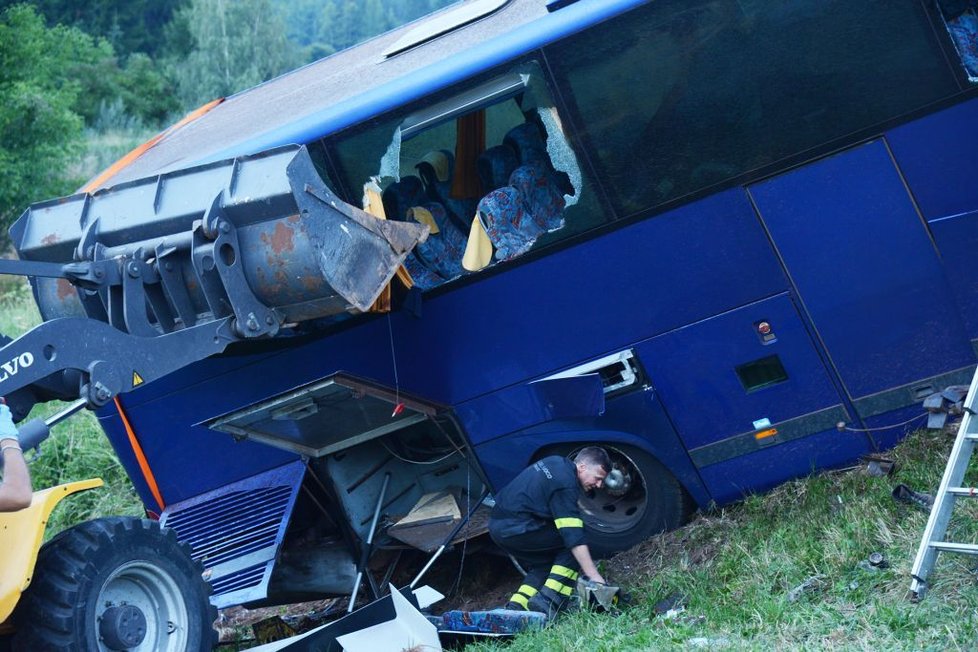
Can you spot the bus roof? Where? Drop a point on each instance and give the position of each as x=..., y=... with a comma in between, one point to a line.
x=362, y=81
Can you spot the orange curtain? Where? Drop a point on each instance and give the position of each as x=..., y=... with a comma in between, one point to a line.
x=470, y=142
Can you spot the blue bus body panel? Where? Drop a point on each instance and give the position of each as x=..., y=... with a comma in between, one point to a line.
x=504, y=328
x=694, y=371
x=631, y=284
x=866, y=270
x=199, y=460
x=521, y=406
x=187, y=457
x=938, y=156
x=634, y=419
x=888, y=429
x=957, y=240
x=761, y=470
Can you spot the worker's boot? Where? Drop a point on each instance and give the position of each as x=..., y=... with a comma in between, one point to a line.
x=534, y=578
x=556, y=591
x=548, y=606
x=519, y=601
x=923, y=502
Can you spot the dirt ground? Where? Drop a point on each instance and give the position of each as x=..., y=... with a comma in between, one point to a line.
x=479, y=580
x=476, y=581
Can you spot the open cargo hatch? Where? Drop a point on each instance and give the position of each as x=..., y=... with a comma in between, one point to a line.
x=324, y=417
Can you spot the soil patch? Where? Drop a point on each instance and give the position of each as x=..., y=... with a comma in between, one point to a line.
x=480, y=579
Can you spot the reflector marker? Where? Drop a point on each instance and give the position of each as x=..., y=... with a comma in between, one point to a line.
x=562, y=589
x=563, y=571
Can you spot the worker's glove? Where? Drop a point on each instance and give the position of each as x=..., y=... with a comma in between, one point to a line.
x=7, y=428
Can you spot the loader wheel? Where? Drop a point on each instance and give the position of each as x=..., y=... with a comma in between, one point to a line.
x=116, y=584
x=649, y=501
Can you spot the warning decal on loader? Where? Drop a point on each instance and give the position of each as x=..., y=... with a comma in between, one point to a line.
x=136, y=379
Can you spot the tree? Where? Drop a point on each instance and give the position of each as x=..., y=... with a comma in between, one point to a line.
x=321, y=27
x=236, y=44
x=40, y=129
x=128, y=25
x=145, y=91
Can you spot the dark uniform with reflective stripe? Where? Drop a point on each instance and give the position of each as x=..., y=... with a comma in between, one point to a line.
x=536, y=519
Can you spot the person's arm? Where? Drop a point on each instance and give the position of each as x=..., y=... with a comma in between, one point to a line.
x=583, y=556
x=15, y=491
x=570, y=525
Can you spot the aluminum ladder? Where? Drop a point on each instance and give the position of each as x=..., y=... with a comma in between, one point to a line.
x=940, y=514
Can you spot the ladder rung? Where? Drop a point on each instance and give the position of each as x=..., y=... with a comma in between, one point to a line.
x=971, y=436
x=971, y=492
x=949, y=546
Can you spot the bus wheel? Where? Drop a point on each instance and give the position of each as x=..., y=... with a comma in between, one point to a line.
x=116, y=584
x=648, y=500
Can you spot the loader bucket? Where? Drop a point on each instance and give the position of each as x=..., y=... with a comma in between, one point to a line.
x=140, y=279
x=260, y=238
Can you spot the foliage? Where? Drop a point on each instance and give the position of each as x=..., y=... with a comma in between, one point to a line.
x=235, y=45
x=39, y=90
x=321, y=28
x=114, y=134
x=54, y=81
x=741, y=569
x=146, y=92
x=128, y=25
x=77, y=449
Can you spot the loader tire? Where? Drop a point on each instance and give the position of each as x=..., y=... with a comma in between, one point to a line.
x=116, y=583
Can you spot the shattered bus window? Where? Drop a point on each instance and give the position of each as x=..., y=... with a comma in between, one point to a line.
x=488, y=169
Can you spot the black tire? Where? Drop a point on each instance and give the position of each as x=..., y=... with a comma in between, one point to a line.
x=653, y=501
x=116, y=562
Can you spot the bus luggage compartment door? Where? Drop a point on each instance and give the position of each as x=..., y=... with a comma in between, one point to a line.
x=750, y=397
x=869, y=277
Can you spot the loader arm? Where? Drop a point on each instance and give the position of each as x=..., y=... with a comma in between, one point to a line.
x=111, y=362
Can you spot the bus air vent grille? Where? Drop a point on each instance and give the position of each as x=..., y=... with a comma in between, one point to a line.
x=235, y=531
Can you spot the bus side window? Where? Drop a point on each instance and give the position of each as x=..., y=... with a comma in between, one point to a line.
x=961, y=19
x=677, y=97
x=500, y=164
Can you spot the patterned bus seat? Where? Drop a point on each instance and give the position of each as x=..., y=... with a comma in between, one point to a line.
x=544, y=200
x=435, y=169
x=511, y=229
x=495, y=165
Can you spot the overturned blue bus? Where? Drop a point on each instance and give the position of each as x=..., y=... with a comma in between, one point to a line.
x=726, y=239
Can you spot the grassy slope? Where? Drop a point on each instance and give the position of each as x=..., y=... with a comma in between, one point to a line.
x=737, y=566
x=77, y=449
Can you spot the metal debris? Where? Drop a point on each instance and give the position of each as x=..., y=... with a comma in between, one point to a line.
x=811, y=584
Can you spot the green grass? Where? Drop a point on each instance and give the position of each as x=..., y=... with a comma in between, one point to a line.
x=77, y=448
x=737, y=566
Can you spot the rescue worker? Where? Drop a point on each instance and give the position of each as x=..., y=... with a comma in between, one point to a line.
x=15, y=490
x=536, y=519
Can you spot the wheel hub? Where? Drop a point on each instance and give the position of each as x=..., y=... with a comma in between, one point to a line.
x=621, y=503
x=618, y=482
x=153, y=592
x=122, y=627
